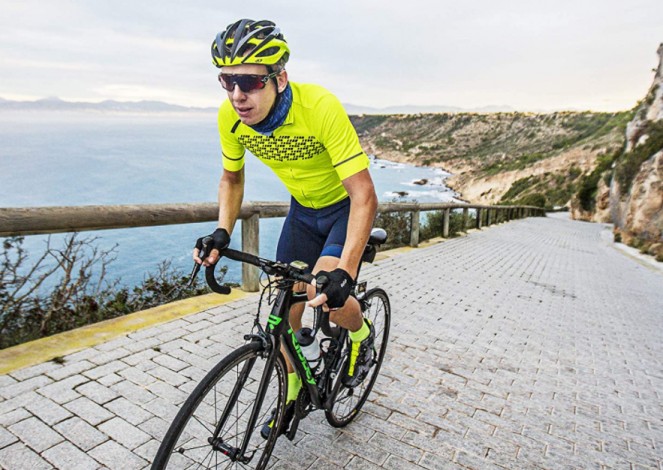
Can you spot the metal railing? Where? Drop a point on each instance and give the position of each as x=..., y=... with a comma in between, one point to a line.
x=44, y=220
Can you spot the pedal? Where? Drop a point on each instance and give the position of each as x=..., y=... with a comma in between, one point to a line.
x=292, y=431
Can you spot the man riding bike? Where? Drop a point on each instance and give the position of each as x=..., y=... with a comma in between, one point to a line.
x=304, y=135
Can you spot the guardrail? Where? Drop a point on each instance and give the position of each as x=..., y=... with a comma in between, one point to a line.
x=43, y=220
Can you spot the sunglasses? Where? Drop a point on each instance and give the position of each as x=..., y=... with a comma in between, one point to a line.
x=246, y=83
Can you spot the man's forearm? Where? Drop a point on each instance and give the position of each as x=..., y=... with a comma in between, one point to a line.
x=231, y=194
x=360, y=222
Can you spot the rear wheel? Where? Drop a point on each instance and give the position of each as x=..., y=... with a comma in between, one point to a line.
x=349, y=401
x=230, y=389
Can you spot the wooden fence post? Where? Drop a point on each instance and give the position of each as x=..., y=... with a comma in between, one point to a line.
x=251, y=244
x=445, y=227
x=488, y=217
x=414, y=228
x=479, y=218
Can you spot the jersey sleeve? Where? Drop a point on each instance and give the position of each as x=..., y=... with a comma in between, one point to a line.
x=233, y=151
x=340, y=139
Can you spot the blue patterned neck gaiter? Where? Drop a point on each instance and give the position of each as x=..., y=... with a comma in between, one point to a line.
x=277, y=115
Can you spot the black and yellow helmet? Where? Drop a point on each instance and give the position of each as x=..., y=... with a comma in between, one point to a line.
x=250, y=42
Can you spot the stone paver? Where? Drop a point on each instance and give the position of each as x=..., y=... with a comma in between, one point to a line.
x=35, y=434
x=68, y=456
x=113, y=455
x=88, y=410
x=532, y=344
x=126, y=434
x=19, y=456
x=80, y=433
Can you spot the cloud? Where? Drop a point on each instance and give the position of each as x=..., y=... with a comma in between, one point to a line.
x=522, y=53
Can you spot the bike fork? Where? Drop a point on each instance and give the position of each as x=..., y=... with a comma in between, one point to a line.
x=237, y=453
x=232, y=400
x=260, y=396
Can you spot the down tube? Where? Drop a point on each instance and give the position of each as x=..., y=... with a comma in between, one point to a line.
x=299, y=362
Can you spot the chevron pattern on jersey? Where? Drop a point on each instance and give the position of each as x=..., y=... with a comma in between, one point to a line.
x=282, y=148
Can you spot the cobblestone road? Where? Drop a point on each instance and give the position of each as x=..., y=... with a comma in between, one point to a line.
x=533, y=344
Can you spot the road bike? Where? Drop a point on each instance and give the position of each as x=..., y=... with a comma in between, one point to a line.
x=219, y=425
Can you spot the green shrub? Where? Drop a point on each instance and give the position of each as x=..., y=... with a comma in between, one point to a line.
x=520, y=186
x=534, y=199
x=367, y=122
x=629, y=164
x=65, y=288
x=433, y=224
x=397, y=225
x=588, y=184
x=574, y=172
x=651, y=96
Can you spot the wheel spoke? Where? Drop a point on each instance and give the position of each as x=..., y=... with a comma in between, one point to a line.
x=350, y=401
x=192, y=426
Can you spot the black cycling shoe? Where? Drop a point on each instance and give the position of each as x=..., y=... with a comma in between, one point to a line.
x=361, y=359
x=285, y=423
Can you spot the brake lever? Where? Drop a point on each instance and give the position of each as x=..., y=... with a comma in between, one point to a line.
x=319, y=311
x=192, y=277
x=202, y=254
x=320, y=282
x=322, y=315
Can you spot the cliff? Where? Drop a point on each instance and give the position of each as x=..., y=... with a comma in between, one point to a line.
x=636, y=191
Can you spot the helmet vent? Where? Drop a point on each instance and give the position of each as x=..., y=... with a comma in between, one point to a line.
x=267, y=52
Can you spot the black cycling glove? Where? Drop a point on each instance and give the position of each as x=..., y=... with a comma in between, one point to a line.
x=337, y=285
x=220, y=240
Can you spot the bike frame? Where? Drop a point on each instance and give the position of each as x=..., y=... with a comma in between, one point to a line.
x=278, y=333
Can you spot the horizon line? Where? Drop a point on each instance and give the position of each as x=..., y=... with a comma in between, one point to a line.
x=369, y=109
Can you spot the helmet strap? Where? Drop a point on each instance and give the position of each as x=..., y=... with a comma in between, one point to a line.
x=278, y=69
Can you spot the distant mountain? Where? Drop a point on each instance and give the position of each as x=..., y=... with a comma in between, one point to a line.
x=413, y=109
x=56, y=104
x=145, y=106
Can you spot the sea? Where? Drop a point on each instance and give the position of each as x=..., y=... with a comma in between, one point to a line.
x=88, y=158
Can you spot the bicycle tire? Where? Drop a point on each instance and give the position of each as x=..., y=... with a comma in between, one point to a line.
x=349, y=401
x=180, y=449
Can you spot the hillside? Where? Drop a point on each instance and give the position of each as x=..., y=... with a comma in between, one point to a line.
x=500, y=156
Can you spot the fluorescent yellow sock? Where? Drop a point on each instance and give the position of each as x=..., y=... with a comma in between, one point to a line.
x=294, y=385
x=361, y=334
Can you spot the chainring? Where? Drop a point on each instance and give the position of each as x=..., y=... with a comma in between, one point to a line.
x=303, y=403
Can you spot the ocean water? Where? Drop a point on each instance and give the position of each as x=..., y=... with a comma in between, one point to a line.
x=55, y=159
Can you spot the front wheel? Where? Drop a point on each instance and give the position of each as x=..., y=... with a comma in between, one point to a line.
x=210, y=428
x=349, y=401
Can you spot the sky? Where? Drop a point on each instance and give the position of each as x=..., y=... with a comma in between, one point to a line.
x=530, y=55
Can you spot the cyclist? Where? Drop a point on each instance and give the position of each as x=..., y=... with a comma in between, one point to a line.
x=304, y=135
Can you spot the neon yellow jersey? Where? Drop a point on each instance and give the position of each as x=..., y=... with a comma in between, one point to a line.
x=311, y=153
